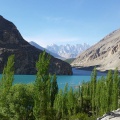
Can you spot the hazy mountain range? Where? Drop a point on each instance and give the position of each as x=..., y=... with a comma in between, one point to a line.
x=41, y=48
x=63, y=51
x=68, y=51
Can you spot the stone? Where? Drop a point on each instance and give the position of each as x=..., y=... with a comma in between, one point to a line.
x=114, y=115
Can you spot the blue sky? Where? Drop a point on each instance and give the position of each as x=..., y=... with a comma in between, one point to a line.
x=63, y=21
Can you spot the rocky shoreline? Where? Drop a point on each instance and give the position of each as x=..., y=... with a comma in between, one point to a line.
x=114, y=115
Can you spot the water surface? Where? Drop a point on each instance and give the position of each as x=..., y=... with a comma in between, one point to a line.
x=73, y=80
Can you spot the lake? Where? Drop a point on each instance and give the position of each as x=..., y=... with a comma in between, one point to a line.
x=73, y=80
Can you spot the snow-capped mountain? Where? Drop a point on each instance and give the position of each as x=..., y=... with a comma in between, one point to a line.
x=50, y=52
x=68, y=51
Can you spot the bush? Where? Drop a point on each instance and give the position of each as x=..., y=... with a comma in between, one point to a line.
x=82, y=116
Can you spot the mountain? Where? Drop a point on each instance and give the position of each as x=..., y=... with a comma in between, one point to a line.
x=68, y=51
x=70, y=60
x=41, y=48
x=26, y=55
x=105, y=55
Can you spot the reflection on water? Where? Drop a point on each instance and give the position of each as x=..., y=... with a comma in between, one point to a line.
x=86, y=72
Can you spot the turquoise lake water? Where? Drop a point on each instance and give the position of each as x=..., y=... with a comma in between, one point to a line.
x=73, y=80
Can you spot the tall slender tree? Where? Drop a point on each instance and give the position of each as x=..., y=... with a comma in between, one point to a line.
x=64, y=102
x=5, y=85
x=58, y=104
x=80, y=93
x=8, y=75
x=54, y=89
x=115, y=89
x=41, y=98
x=70, y=102
x=93, y=88
x=102, y=93
x=109, y=85
x=97, y=96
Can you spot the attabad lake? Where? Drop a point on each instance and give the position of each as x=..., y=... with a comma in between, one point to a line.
x=73, y=80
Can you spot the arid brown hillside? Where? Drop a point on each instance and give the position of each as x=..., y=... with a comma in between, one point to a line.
x=105, y=55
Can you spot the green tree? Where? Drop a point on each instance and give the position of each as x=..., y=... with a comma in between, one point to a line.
x=115, y=89
x=70, y=102
x=102, y=92
x=64, y=102
x=42, y=87
x=97, y=96
x=109, y=85
x=20, y=102
x=80, y=98
x=58, y=104
x=93, y=88
x=6, y=84
x=7, y=75
x=54, y=89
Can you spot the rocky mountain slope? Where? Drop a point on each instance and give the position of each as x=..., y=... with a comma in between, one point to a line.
x=41, y=48
x=68, y=51
x=104, y=55
x=26, y=55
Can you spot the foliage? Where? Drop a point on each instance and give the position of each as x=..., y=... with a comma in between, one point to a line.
x=5, y=85
x=93, y=89
x=44, y=101
x=81, y=116
x=20, y=107
x=45, y=89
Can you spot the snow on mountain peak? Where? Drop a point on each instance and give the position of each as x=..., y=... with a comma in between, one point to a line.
x=68, y=51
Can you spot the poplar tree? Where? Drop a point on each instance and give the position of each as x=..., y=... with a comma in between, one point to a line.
x=102, y=93
x=93, y=88
x=54, y=89
x=109, y=84
x=115, y=89
x=41, y=97
x=81, y=97
x=70, y=102
x=8, y=75
x=64, y=102
x=58, y=104
x=5, y=85
x=97, y=96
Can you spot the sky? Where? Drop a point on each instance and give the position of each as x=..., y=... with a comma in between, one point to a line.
x=63, y=22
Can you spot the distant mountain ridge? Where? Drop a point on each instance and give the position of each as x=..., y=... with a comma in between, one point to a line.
x=41, y=48
x=105, y=55
x=68, y=51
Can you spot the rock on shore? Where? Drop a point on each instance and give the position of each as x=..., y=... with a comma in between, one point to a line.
x=114, y=115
